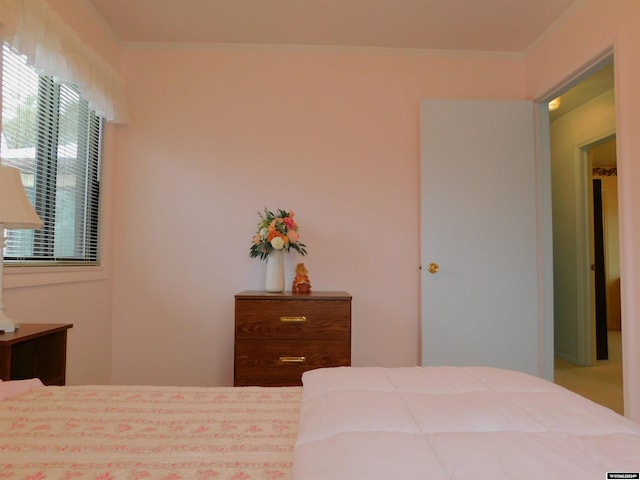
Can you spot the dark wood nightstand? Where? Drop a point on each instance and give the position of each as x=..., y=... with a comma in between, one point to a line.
x=35, y=350
x=279, y=336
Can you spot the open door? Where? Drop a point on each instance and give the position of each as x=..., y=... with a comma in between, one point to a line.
x=479, y=235
x=602, y=342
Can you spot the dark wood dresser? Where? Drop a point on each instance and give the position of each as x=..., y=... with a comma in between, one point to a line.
x=278, y=336
x=35, y=350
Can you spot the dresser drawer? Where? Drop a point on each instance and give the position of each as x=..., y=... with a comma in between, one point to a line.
x=282, y=362
x=299, y=319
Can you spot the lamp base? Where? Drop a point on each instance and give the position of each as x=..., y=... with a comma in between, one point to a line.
x=7, y=325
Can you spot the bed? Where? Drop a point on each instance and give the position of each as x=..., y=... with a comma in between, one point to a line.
x=344, y=423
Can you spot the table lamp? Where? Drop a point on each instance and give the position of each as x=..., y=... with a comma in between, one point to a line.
x=15, y=212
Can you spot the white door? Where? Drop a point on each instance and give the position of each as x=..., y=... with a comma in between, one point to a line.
x=479, y=226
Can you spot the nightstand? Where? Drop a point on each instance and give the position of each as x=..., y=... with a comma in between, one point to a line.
x=35, y=350
x=279, y=336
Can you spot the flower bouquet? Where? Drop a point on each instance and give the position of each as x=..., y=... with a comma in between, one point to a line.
x=276, y=231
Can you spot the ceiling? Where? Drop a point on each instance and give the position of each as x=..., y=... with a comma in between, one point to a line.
x=505, y=26
x=604, y=154
x=597, y=83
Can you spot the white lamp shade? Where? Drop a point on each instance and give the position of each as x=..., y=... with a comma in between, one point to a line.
x=15, y=208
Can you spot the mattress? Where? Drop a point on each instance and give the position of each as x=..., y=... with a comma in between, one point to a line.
x=139, y=432
x=455, y=423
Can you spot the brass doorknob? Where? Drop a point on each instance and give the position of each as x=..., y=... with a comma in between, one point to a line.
x=433, y=268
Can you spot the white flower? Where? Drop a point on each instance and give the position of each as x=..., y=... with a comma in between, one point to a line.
x=277, y=243
x=263, y=233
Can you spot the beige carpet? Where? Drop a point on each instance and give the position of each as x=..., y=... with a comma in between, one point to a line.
x=601, y=383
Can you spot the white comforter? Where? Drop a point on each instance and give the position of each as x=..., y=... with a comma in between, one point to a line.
x=455, y=423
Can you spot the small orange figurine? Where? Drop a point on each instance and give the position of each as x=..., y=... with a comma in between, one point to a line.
x=301, y=284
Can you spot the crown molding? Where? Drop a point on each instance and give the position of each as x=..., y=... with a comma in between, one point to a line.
x=319, y=49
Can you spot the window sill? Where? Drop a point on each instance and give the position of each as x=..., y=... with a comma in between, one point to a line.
x=19, y=276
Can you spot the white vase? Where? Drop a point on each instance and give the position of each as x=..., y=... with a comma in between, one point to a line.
x=275, y=271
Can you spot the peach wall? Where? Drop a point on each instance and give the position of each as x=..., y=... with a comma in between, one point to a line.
x=85, y=304
x=216, y=136
x=593, y=28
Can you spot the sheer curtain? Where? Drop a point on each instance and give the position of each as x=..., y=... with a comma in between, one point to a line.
x=53, y=48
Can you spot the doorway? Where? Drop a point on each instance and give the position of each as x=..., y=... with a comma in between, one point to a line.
x=604, y=175
x=582, y=133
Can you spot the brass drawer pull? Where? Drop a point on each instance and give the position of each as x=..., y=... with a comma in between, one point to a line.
x=293, y=319
x=292, y=359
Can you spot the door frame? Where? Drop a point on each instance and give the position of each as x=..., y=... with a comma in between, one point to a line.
x=545, y=230
x=585, y=248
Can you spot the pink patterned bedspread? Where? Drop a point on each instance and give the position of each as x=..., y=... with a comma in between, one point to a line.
x=127, y=432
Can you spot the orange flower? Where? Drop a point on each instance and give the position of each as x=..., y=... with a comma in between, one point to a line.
x=273, y=235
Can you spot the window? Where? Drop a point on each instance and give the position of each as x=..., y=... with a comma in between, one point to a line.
x=51, y=135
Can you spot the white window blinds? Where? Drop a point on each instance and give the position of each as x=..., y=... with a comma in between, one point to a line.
x=50, y=134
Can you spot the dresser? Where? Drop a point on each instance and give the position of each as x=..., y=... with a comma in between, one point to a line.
x=279, y=336
x=35, y=350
